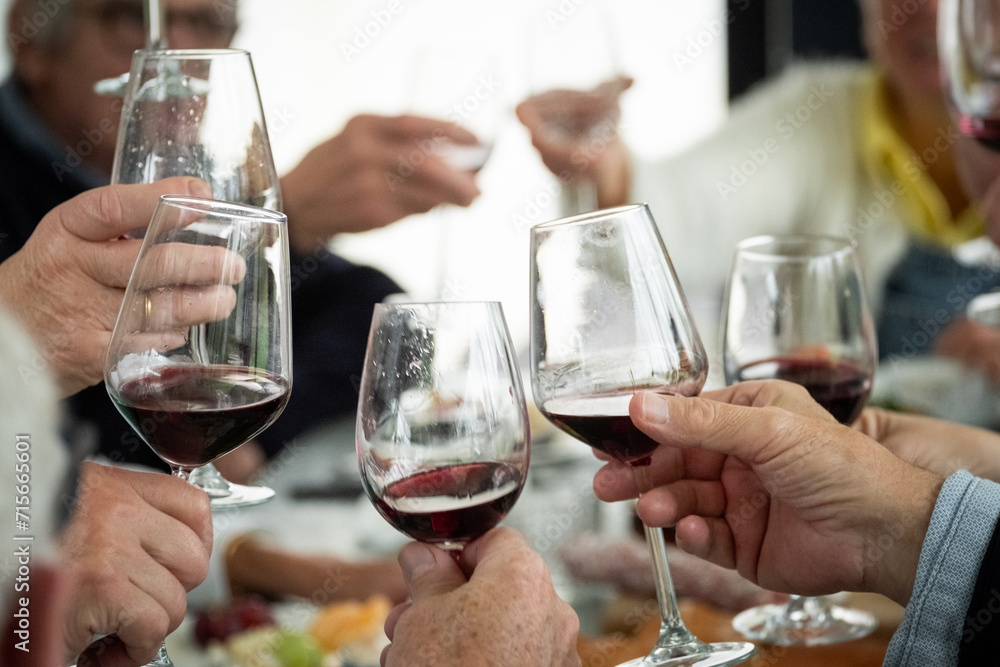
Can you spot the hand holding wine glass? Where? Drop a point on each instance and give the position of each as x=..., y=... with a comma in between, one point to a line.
x=198, y=113
x=442, y=430
x=608, y=319
x=200, y=357
x=797, y=311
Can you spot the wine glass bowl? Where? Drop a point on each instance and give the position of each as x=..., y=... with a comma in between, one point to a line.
x=796, y=310
x=198, y=113
x=969, y=52
x=199, y=360
x=442, y=429
x=608, y=319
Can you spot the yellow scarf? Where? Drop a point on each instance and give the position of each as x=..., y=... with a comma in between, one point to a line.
x=889, y=159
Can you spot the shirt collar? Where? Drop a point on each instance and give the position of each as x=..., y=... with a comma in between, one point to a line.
x=893, y=164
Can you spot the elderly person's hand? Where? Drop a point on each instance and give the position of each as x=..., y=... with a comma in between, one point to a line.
x=759, y=477
x=499, y=609
x=66, y=284
x=576, y=134
x=378, y=170
x=135, y=544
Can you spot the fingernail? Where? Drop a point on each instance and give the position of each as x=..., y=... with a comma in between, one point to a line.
x=415, y=559
x=655, y=408
x=199, y=188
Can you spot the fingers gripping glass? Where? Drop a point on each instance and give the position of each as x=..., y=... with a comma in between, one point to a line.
x=198, y=113
x=608, y=319
x=796, y=310
x=200, y=357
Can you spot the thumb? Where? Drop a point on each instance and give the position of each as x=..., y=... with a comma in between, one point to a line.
x=753, y=434
x=428, y=571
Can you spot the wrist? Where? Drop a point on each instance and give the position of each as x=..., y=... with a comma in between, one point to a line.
x=893, y=542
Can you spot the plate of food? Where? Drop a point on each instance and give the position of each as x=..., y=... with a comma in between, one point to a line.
x=251, y=632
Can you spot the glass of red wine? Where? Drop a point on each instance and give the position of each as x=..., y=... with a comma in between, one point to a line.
x=198, y=113
x=442, y=428
x=796, y=310
x=200, y=358
x=608, y=319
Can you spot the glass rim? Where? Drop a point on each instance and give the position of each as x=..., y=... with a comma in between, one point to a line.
x=408, y=304
x=223, y=208
x=836, y=246
x=590, y=215
x=187, y=54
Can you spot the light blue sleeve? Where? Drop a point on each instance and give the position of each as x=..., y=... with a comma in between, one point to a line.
x=962, y=524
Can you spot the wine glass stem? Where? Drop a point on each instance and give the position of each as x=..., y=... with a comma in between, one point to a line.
x=161, y=659
x=672, y=629
x=183, y=473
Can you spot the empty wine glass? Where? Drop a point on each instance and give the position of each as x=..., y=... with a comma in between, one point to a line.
x=200, y=357
x=459, y=84
x=198, y=113
x=442, y=428
x=796, y=310
x=608, y=319
x=581, y=55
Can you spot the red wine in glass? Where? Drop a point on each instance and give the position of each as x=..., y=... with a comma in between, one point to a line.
x=191, y=415
x=840, y=387
x=603, y=423
x=450, y=504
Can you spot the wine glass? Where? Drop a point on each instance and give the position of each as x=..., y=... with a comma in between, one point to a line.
x=200, y=357
x=608, y=319
x=442, y=428
x=796, y=310
x=582, y=55
x=969, y=52
x=198, y=113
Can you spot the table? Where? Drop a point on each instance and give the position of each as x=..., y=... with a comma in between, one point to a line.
x=711, y=624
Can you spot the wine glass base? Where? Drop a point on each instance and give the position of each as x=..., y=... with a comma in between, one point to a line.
x=768, y=623
x=241, y=496
x=719, y=654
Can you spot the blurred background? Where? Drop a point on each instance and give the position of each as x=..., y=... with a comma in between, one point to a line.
x=321, y=62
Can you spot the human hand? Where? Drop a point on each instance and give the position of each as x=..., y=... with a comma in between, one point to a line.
x=255, y=566
x=941, y=447
x=135, y=544
x=975, y=345
x=505, y=615
x=378, y=170
x=759, y=477
x=576, y=134
x=66, y=284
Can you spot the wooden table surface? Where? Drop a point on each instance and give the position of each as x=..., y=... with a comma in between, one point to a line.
x=625, y=640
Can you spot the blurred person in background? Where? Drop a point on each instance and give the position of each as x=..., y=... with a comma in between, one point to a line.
x=57, y=139
x=861, y=150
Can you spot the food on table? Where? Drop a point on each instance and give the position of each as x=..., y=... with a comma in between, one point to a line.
x=355, y=629
x=221, y=623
